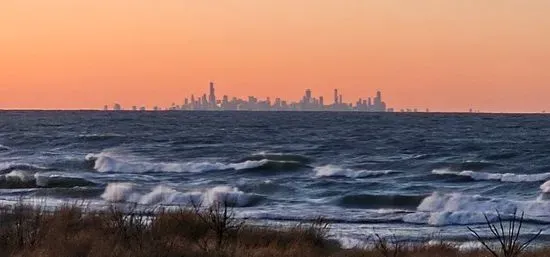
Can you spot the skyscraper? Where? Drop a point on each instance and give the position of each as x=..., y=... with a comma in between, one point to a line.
x=204, y=101
x=212, y=96
x=335, y=97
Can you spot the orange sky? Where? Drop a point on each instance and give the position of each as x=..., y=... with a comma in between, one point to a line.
x=446, y=55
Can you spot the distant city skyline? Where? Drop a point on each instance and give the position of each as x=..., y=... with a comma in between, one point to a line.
x=448, y=56
x=308, y=102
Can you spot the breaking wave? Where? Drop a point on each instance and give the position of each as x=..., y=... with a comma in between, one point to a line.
x=266, y=164
x=545, y=187
x=27, y=179
x=504, y=177
x=441, y=209
x=278, y=157
x=336, y=171
x=4, y=148
x=164, y=195
x=108, y=162
x=369, y=201
x=6, y=167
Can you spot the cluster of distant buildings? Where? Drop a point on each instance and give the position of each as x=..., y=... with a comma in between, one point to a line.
x=308, y=103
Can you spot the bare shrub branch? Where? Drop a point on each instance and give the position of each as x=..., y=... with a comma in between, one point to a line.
x=507, y=234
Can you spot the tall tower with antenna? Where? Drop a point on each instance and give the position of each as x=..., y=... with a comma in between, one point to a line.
x=212, y=96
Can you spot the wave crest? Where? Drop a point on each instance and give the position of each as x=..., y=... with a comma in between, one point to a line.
x=120, y=192
x=545, y=187
x=109, y=162
x=6, y=167
x=28, y=179
x=278, y=157
x=504, y=177
x=164, y=195
x=441, y=209
x=336, y=171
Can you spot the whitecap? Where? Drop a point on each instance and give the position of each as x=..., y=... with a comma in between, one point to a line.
x=160, y=194
x=120, y=192
x=248, y=164
x=504, y=177
x=441, y=209
x=226, y=194
x=164, y=195
x=112, y=162
x=19, y=176
x=336, y=171
x=11, y=166
x=545, y=187
x=108, y=162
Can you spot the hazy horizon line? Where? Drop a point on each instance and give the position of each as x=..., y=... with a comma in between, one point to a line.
x=325, y=111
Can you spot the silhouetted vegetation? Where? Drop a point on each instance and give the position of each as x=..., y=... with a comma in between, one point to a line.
x=507, y=235
x=212, y=231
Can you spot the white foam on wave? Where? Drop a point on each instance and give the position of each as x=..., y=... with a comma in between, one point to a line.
x=504, y=177
x=248, y=164
x=106, y=162
x=441, y=209
x=40, y=179
x=221, y=194
x=545, y=187
x=120, y=192
x=336, y=171
x=164, y=195
x=21, y=166
x=19, y=176
x=112, y=162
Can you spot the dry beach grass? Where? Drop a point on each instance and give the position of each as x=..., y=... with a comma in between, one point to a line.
x=213, y=231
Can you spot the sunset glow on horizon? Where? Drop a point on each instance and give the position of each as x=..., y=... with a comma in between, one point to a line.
x=491, y=55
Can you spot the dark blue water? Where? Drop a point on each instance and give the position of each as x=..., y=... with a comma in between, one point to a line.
x=414, y=175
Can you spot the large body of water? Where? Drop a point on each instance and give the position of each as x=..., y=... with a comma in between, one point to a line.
x=418, y=176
